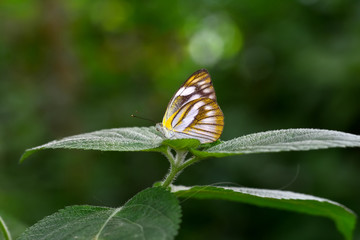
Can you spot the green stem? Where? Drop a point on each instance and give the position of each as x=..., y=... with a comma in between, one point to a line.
x=170, y=177
x=4, y=230
x=177, y=164
x=188, y=163
x=169, y=156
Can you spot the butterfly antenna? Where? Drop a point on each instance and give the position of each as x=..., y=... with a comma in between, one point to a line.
x=134, y=116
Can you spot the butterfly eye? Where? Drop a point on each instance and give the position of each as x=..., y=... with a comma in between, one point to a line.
x=193, y=111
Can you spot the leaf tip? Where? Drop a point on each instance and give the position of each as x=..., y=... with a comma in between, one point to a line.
x=26, y=154
x=23, y=156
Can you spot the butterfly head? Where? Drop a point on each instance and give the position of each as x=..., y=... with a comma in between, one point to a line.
x=168, y=133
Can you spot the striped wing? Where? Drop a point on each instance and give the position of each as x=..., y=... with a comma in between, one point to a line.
x=193, y=111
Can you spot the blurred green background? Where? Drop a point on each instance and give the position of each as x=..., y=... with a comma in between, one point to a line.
x=70, y=67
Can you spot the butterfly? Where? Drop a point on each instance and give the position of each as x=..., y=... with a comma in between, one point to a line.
x=193, y=111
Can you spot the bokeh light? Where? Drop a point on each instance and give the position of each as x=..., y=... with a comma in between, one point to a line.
x=217, y=37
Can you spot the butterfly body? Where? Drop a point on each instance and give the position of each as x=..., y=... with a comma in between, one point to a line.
x=193, y=111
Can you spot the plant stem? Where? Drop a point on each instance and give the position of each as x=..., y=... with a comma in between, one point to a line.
x=4, y=230
x=177, y=164
x=170, y=177
x=169, y=156
x=188, y=162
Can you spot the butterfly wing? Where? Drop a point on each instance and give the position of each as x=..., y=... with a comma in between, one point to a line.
x=193, y=111
x=196, y=86
x=201, y=119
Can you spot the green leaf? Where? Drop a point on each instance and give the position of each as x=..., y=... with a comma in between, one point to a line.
x=344, y=218
x=117, y=139
x=180, y=144
x=281, y=140
x=152, y=214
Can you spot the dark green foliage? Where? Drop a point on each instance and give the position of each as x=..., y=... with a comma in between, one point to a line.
x=344, y=218
x=151, y=214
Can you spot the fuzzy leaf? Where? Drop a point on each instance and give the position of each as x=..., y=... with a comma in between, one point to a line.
x=117, y=139
x=344, y=218
x=282, y=140
x=152, y=214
